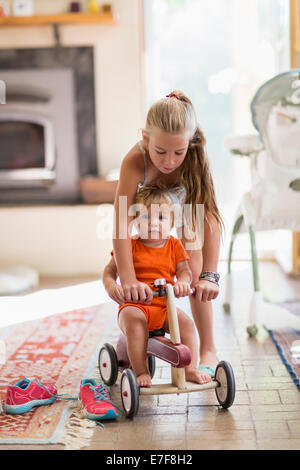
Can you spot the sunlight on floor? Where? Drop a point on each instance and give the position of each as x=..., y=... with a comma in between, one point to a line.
x=51, y=301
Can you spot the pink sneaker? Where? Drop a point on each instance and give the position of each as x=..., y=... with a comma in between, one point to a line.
x=96, y=400
x=25, y=394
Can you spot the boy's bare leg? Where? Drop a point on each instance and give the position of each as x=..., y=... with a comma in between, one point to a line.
x=133, y=323
x=189, y=338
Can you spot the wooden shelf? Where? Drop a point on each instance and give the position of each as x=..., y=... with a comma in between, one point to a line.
x=63, y=18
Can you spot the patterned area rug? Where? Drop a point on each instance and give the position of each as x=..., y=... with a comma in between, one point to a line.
x=60, y=349
x=287, y=342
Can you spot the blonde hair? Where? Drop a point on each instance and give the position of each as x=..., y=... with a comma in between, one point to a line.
x=175, y=114
x=152, y=194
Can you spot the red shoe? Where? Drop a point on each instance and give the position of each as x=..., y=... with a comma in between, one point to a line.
x=96, y=400
x=25, y=394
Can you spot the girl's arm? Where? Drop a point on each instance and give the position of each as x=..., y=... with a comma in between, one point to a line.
x=110, y=273
x=184, y=278
x=211, y=247
x=132, y=171
x=206, y=259
x=109, y=278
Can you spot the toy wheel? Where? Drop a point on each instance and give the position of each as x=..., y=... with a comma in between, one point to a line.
x=151, y=366
x=108, y=364
x=226, y=390
x=252, y=330
x=130, y=393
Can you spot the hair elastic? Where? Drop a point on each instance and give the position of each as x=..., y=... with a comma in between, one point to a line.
x=171, y=95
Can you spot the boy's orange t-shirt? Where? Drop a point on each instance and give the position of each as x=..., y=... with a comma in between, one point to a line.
x=156, y=263
x=153, y=263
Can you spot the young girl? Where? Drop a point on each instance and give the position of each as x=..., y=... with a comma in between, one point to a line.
x=172, y=152
x=156, y=255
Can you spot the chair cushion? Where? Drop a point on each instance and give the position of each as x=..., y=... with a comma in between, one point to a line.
x=283, y=135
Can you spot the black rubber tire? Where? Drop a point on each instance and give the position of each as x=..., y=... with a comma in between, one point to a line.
x=151, y=365
x=112, y=355
x=226, y=390
x=129, y=376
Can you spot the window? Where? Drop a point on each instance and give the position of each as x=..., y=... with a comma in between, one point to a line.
x=218, y=53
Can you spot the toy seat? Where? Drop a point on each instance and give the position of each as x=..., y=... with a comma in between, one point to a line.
x=178, y=355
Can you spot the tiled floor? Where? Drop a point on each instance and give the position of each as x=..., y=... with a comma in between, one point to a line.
x=266, y=410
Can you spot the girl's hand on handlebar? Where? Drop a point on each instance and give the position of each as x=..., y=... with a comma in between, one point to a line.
x=206, y=290
x=182, y=288
x=137, y=291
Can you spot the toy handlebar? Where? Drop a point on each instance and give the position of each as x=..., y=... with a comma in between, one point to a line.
x=159, y=288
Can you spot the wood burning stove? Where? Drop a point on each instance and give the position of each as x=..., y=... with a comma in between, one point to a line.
x=27, y=150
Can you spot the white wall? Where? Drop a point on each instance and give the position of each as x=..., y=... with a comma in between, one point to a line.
x=57, y=240
x=118, y=74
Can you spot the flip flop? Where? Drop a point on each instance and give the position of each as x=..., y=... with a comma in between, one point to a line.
x=209, y=370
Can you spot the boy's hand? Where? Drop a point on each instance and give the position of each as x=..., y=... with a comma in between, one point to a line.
x=206, y=290
x=137, y=291
x=116, y=293
x=182, y=288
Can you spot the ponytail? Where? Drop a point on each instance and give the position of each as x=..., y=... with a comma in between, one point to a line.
x=196, y=176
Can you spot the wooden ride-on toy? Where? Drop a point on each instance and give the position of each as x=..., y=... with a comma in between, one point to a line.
x=170, y=350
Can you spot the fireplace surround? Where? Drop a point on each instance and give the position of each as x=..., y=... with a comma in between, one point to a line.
x=47, y=126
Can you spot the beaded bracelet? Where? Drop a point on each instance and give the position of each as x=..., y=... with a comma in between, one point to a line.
x=210, y=276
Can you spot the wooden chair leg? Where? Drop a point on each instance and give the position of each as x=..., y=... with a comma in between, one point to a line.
x=256, y=302
x=235, y=231
x=254, y=259
x=227, y=293
x=296, y=252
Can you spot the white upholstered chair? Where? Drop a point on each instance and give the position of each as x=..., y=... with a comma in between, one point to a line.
x=273, y=202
